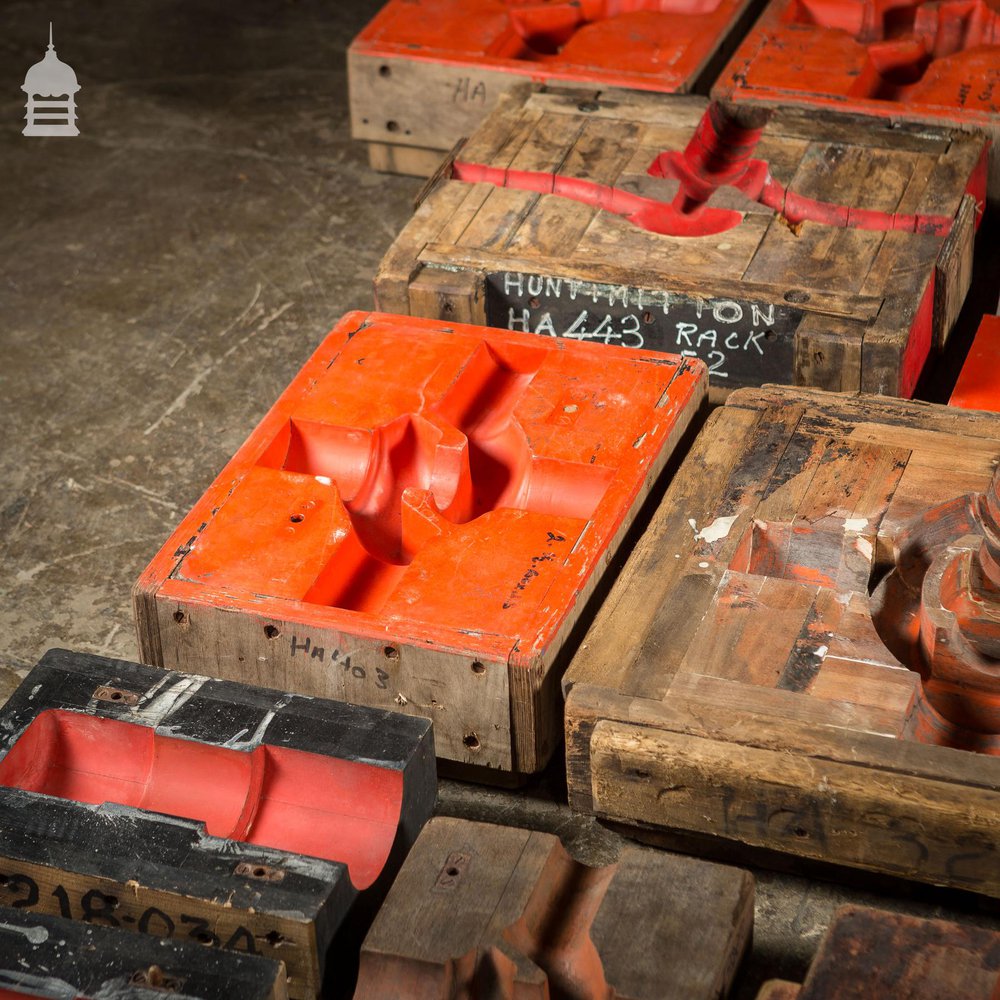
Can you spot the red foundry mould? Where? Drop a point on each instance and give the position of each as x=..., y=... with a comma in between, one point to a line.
x=935, y=62
x=978, y=386
x=424, y=73
x=418, y=524
x=244, y=818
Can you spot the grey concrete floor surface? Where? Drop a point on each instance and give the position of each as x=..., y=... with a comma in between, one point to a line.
x=164, y=275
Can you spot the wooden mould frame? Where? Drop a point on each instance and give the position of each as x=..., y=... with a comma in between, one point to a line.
x=758, y=704
x=298, y=812
x=876, y=953
x=42, y=956
x=812, y=304
x=424, y=73
x=318, y=563
x=477, y=903
x=861, y=59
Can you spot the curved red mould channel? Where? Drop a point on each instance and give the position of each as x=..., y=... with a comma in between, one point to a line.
x=265, y=796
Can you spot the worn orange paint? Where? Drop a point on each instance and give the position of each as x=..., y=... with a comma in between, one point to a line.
x=644, y=44
x=978, y=386
x=937, y=60
x=446, y=486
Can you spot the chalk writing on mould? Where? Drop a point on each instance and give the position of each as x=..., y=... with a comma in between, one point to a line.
x=719, y=331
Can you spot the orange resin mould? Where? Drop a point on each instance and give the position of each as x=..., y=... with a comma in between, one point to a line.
x=424, y=73
x=934, y=62
x=978, y=385
x=418, y=524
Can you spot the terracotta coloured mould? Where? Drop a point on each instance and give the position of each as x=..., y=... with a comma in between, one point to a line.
x=773, y=250
x=418, y=523
x=933, y=62
x=199, y=809
x=424, y=73
x=488, y=912
x=815, y=665
x=978, y=385
x=875, y=953
x=51, y=958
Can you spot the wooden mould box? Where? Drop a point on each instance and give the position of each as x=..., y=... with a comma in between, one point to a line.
x=50, y=957
x=477, y=904
x=874, y=953
x=841, y=309
x=297, y=813
x=418, y=523
x=424, y=73
x=756, y=700
x=925, y=61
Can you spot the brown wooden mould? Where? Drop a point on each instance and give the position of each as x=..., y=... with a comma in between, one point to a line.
x=495, y=912
x=766, y=300
x=812, y=618
x=874, y=953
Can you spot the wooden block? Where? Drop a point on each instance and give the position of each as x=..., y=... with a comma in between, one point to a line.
x=45, y=956
x=765, y=696
x=762, y=301
x=419, y=524
x=978, y=385
x=493, y=910
x=843, y=58
x=874, y=953
x=424, y=73
x=193, y=808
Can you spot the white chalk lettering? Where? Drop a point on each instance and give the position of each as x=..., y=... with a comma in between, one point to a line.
x=762, y=318
x=545, y=325
x=620, y=292
x=605, y=330
x=513, y=283
x=708, y=337
x=732, y=341
x=535, y=284
x=754, y=338
x=523, y=321
x=576, y=328
x=727, y=311
x=574, y=287
x=684, y=331
x=553, y=286
x=715, y=367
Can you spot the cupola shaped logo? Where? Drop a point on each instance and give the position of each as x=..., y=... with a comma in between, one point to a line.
x=51, y=86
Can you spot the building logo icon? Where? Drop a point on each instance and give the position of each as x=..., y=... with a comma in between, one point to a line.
x=50, y=86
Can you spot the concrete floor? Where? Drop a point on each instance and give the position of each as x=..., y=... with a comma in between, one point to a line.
x=163, y=277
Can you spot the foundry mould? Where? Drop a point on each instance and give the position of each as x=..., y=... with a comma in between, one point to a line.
x=813, y=665
x=978, y=385
x=780, y=251
x=157, y=789
x=424, y=73
x=418, y=523
x=42, y=956
x=932, y=62
x=875, y=953
x=489, y=911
